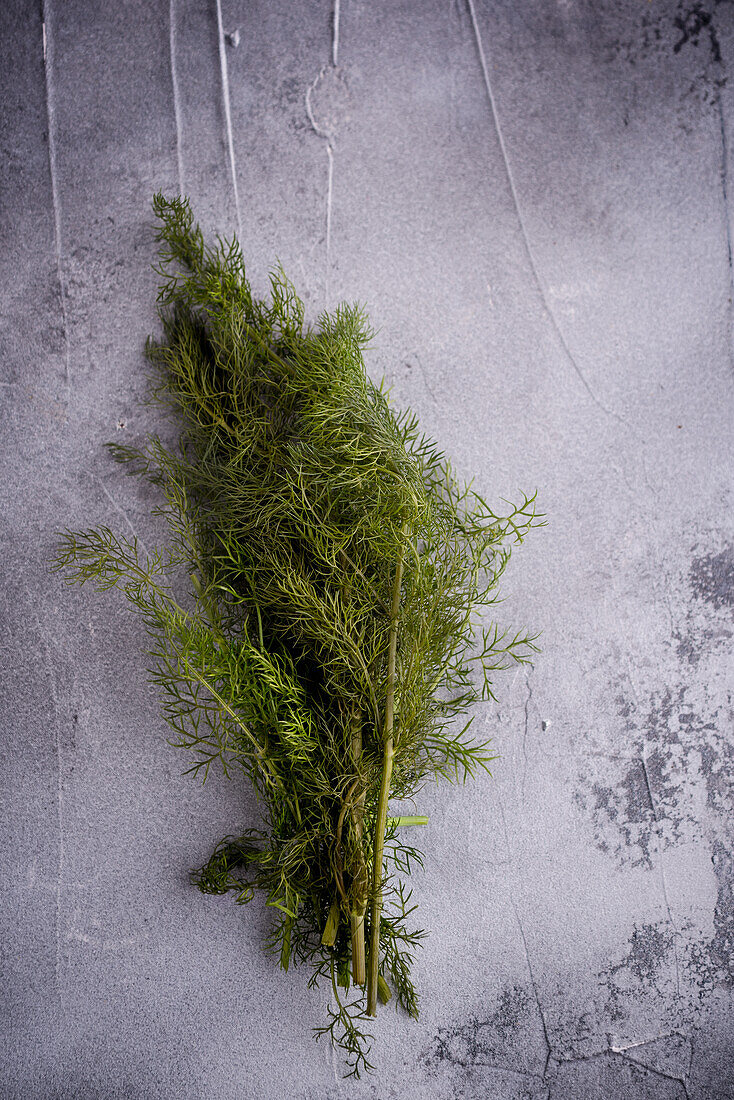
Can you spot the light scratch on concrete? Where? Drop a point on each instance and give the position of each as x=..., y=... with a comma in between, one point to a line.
x=120, y=511
x=309, y=108
x=48, y=65
x=523, y=232
x=60, y=816
x=727, y=222
x=644, y=1042
x=335, y=37
x=226, y=100
x=176, y=97
x=329, y=189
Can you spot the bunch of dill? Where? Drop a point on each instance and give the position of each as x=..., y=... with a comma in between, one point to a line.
x=329, y=640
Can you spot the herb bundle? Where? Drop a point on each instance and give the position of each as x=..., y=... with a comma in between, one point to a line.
x=329, y=638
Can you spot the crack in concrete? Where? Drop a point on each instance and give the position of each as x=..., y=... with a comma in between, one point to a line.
x=48, y=59
x=415, y=358
x=427, y=384
x=541, y=1014
x=549, y=1049
x=174, y=84
x=498, y=1067
x=327, y=136
x=661, y=862
x=619, y=1051
x=523, y=231
x=648, y=788
x=226, y=101
x=329, y=176
x=525, y=734
x=632, y=1061
x=658, y=1073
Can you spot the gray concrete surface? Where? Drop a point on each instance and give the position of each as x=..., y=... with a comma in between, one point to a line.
x=534, y=200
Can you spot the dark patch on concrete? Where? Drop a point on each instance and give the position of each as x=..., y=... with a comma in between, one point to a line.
x=694, y=24
x=641, y=969
x=681, y=752
x=647, y=40
x=642, y=801
x=482, y=1042
x=692, y=646
x=688, y=762
x=707, y=963
x=696, y=641
x=689, y=32
x=626, y=710
x=623, y=815
x=648, y=948
x=673, y=784
x=690, y=746
x=721, y=952
x=688, y=27
x=711, y=963
x=717, y=765
x=712, y=578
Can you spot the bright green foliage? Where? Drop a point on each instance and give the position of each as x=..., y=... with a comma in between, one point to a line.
x=305, y=512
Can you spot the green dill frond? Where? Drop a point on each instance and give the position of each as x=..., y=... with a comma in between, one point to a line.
x=317, y=618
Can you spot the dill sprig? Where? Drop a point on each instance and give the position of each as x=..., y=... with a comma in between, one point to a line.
x=331, y=637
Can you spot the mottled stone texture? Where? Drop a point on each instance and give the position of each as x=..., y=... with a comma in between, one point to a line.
x=534, y=201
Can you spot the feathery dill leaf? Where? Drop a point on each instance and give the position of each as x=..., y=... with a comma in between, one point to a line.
x=338, y=573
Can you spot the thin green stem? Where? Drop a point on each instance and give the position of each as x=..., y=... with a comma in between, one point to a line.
x=359, y=970
x=381, y=820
